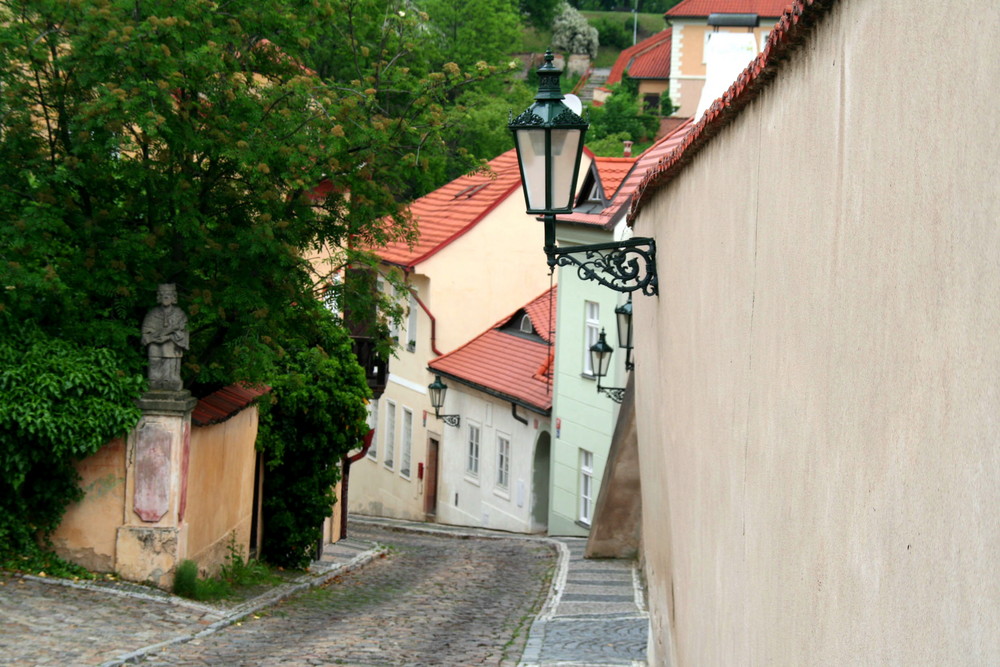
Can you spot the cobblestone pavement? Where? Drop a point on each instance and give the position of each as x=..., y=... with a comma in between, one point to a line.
x=433, y=599
x=429, y=601
x=595, y=616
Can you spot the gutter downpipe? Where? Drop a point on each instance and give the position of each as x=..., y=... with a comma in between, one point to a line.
x=424, y=307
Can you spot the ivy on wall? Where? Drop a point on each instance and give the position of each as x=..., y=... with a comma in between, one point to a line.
x=59, y=403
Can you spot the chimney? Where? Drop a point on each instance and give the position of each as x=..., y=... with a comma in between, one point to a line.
x=628, y=149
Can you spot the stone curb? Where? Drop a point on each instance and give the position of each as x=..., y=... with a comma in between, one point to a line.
x=254, y=605
x=229, y=617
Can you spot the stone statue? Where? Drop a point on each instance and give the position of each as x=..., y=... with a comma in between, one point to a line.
x=165, y=332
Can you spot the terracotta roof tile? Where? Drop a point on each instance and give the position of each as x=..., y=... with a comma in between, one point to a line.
x=787, y=35
x=613, y=171
x=649, y=59
x=623, y=196
x=453, y=209
x=225, y=403
x=698, y=8
x=506, y=364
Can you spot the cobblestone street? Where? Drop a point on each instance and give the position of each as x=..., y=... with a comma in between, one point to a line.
x=429, y=601
x=428, y=595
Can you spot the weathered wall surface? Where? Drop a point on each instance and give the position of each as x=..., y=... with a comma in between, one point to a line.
x=89, y=528
x=220, y=489
x=818, y=424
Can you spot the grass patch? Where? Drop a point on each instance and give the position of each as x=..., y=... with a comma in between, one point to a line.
x=238, y=578
x=42, y=563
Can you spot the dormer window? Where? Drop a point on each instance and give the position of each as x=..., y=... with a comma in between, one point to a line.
x=526, y=326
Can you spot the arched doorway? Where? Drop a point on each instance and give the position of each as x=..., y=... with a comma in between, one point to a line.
x=540, y=484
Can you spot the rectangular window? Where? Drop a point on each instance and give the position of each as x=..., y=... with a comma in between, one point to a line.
x=586, y=486
x=373, y=423
x=503, y=462
x=591, y=332
x=404, y=462
x=411, y=324
x=472, y=460
x=390, y=433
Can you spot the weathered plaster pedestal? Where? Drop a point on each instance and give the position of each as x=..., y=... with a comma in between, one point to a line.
x=153, y=539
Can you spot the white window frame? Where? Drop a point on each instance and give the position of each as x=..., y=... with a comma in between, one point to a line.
x=591, y=332
x=586, y=505
x=373, y=423
x=503, y=462
x=407, y=443
x=390, y=433
x=473, y=449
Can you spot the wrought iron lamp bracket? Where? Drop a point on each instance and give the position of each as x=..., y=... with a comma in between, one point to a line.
x=624, y=266
x=450, y=420
x=616, y=394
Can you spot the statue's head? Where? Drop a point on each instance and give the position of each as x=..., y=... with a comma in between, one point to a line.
x=166, y=294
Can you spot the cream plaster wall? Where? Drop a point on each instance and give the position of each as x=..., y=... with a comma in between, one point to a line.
x=687, y=59
x=818, y=426
x=466, y=499
x=89, y=528
x=220, y=489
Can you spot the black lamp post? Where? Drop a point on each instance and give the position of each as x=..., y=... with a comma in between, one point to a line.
x=437, y=391
x=549, y=140
x=600, y=361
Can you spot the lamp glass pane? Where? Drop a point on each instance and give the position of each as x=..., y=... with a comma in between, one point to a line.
x=565, y=148
x=437, y=395
x=600, y=357
x=531, y=150
x=624, y=314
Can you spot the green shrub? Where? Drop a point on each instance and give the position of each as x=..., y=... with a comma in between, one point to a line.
x=315, y=414
x=59, y=403
x=186, y=579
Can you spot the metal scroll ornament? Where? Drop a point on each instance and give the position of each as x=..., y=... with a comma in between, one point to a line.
x=624, y=266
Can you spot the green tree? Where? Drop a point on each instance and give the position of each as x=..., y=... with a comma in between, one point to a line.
x=572, y=33
x=198, y=143
x=539, y=14
x=620, y=116
x=470, y=32
x=317, y=416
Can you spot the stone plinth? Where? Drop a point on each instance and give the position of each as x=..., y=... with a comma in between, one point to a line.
x=152, y=541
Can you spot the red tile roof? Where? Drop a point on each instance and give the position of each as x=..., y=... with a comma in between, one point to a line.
x=225, y=403
x=507, y=365
x=613, y=171
x=649, y=59
x=787, y=35
x=698, y=8
x=609, y=216
x=453, y=209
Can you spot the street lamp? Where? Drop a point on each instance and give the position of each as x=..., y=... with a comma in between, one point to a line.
x=624, y=315
x=437, y=391
x=549, y=138
x=600, y=362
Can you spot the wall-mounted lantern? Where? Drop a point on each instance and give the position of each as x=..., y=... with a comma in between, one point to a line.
x=549, y=138
x=438, y=390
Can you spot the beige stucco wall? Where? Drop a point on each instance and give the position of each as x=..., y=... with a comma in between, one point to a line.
x=687, y=59
x=220, y=489
x=818, y=383
x=89, y=528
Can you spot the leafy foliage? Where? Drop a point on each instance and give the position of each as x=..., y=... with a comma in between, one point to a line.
x=620, y=115
x=571, y=32
x=59, y=403
x=613, y=33
x=317, y=416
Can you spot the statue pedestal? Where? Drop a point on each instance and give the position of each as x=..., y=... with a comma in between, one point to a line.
x=154, y=537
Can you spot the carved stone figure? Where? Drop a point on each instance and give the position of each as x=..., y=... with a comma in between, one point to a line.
x=165, y=332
